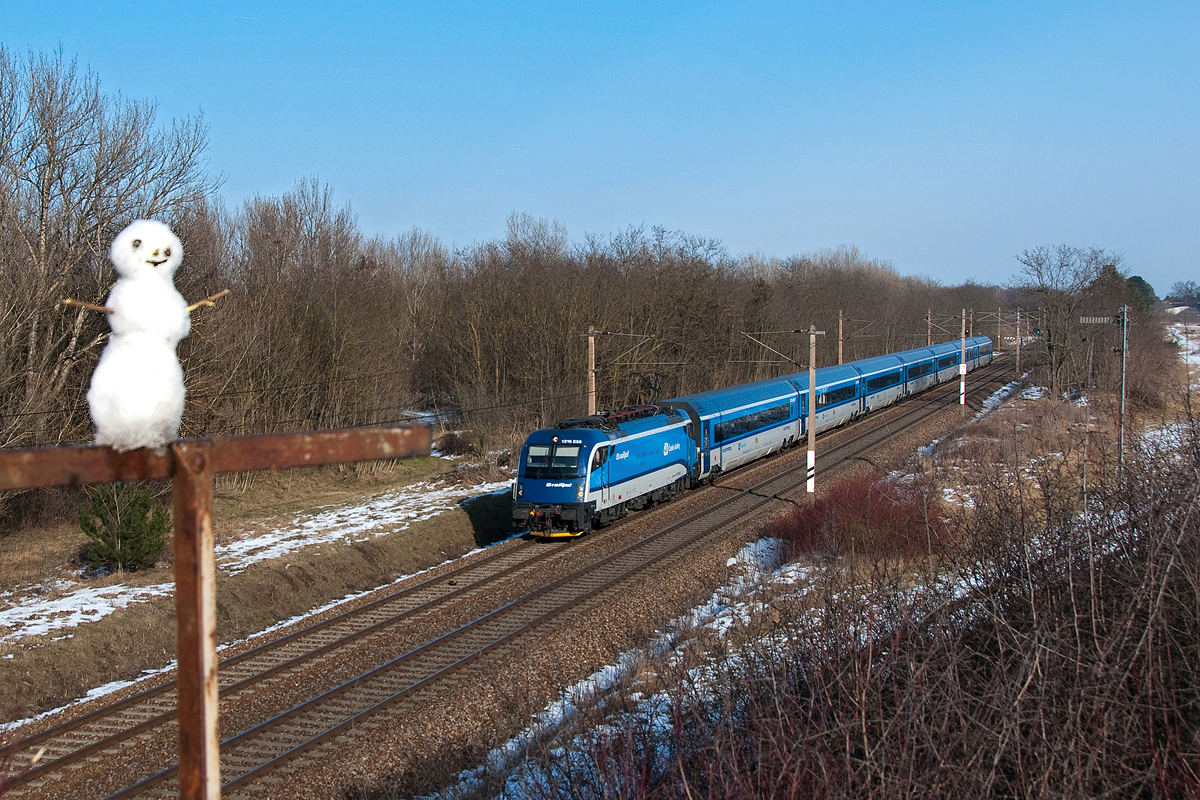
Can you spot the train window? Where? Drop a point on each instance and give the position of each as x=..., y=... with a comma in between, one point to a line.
x=599, y=457
x=731, y=429
x=947, y=361
x=835, y=396
x=883, y=381
x=919, y=370
x=558, y=461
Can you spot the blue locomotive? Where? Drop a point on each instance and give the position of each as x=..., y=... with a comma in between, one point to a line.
x=587, y=472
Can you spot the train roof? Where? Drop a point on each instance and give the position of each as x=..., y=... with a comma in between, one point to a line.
x=826, y=376
x=917, y=356
x=874, y=366
x=943, y=348
x=716, y=401
x=585, y=436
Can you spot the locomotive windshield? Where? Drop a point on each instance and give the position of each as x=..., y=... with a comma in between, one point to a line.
x=552, y=461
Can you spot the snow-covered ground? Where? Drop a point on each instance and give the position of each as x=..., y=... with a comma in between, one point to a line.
x=1187, y=336
x=41, y=610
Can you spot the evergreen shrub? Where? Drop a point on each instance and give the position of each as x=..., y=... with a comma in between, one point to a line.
x=127, y=527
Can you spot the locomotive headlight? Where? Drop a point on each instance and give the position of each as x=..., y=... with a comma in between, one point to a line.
x=579, y=491
x=520, y=490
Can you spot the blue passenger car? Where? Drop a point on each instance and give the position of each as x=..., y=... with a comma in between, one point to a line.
x=742, y=423
x=882, y=381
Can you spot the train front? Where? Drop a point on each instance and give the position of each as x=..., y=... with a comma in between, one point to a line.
x=549, y=496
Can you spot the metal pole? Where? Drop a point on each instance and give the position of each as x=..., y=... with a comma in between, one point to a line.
x=840, y=321
x=1018, y=341
x=962, y=367
x=999, y=323
x=1124, y=348
x=196, y=615
x=812, y=409
x=928, y=327
x=591, y=370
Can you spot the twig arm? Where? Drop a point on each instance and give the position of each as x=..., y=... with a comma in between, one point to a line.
x=83, y=304
x=208, y=301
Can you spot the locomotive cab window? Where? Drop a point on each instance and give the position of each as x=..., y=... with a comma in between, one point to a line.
x=552, y=461
x=599, y=457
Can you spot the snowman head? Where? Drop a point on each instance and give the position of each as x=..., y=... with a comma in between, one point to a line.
x=146, y=248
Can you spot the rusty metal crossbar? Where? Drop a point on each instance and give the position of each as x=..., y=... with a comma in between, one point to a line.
x=191, y=465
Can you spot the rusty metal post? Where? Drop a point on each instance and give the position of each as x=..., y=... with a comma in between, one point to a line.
x=196, y=619
x=191, y=464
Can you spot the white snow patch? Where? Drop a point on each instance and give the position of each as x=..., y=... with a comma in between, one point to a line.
x=33, y=617
x=383, y=514
x=997, y=397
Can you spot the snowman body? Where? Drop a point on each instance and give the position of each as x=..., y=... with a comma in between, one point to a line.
x=136, y=395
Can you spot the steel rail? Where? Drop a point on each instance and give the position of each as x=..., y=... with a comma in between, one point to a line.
x=931, y=405
x=27, y=745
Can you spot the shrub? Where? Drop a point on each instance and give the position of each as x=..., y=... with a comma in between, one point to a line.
x=126, y=525
x=870, y=516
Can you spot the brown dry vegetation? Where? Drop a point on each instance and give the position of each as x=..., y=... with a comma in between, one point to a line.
x=1070, y=666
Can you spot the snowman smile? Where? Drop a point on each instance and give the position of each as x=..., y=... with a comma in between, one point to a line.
x=154, y=263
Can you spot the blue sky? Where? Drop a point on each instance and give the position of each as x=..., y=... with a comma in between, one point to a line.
x=944, y=137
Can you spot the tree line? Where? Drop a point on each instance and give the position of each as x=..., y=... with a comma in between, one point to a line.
x=326, y=326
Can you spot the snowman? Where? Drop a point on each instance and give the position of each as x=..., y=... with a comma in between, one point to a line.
x=136, y=395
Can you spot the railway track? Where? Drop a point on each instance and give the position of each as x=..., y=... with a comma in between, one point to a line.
x=561, y=588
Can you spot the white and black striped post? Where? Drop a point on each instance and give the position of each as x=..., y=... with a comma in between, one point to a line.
x=962, y=367
x=813, y=333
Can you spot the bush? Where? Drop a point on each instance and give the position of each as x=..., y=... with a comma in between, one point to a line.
x=868, y=516
x=126, y=525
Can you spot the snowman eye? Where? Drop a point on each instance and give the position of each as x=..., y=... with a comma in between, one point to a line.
x=137, y=243
x=167, y=252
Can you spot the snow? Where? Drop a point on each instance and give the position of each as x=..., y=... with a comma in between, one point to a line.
x=37, y=611
x=73, y=608
x=377, y=516
x=997, y=398
x=1188, y=338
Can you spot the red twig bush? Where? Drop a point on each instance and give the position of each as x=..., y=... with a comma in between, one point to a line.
x=876, y=517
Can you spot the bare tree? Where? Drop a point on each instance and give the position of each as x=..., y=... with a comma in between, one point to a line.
x=1057, y=279
x=75, y=167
